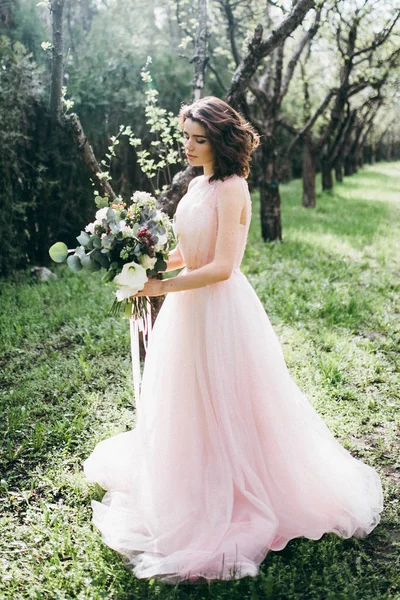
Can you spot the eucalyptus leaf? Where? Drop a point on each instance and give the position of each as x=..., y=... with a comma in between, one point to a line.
x=103, y=260
x=111, y=215
x=74, y=263
x=89, y=264
x=94, y=265
x=114, y=226
x=83, y=238
x=98, y=257
x=108, y=241
x=85, y=260
x=80, y=251
x=58, y=252
x=96, y=241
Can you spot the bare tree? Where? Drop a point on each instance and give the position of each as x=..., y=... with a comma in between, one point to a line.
x=264, y=112
x=352, y=56
x=259, y=49
x=329, y=145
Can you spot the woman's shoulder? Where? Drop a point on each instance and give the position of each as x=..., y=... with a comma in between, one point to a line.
x=195, y=180
x=233, y=181
x=233, y=184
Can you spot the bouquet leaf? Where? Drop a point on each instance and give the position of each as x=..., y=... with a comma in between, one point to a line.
x=74, y=263
x=83, y=238
x=58, y=252
x=131, y=242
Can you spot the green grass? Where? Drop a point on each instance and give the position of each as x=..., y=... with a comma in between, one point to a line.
x=332, y=293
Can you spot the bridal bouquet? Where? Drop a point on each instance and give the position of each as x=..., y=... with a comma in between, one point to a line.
x=130, y=242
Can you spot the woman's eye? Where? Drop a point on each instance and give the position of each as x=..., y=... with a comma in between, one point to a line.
x=199, y=142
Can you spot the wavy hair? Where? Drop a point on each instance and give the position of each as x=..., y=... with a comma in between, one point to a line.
x=232, y=138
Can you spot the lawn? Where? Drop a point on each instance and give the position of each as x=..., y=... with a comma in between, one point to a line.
x=331, y=290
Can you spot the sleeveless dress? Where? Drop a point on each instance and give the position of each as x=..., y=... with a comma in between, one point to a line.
x=228, y=459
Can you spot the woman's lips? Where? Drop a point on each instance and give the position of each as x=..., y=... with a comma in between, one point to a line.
x=190, y=156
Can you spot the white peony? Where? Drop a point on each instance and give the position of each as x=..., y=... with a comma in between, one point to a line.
x=101, y=215
x=127, y=231
x=90, y=228
x=162, y=240
x=142, y=196
x=131, y=279
x=147, y=262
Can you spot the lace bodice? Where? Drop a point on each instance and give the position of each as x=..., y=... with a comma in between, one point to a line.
x=196, y=222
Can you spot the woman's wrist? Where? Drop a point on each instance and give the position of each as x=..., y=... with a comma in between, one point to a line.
x=166, y=285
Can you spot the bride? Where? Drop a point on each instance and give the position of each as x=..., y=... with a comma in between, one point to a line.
x=228, y=459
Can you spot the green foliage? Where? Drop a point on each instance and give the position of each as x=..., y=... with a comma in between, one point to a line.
x=19, y=92
x=331, y=291
x=165, y=148
x=45, y=191
x=42, y=196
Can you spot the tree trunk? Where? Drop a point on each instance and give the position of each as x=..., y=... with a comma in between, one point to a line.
x=389, y=150
x=270, y=201
x=348, y=167
x=57, y=8
x=339, y=171
x=327, y=178
x=309, y=171
x=200, y=59
x=360, y=157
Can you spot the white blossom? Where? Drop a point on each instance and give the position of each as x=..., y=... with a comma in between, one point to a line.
x=90, y=228
x=147, y=262
x=101, y=215
x=127, y=231
x=162, y=240
x=130, y=281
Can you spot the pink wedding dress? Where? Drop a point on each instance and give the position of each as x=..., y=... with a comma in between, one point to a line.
x=228, y=459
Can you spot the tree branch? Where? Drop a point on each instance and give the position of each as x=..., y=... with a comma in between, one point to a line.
x=306, y=39
x=227, y=7
x=380, y=38
x=281, y=121
x=259, y=49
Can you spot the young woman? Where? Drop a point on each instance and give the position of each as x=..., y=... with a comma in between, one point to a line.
x=228, y=459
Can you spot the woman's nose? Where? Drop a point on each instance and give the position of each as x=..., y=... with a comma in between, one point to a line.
x=188, y=144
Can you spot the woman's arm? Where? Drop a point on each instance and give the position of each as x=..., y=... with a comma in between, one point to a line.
x=175, y=260
x=230, y=203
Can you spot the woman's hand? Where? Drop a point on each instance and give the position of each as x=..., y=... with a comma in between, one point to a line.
x=153, y=287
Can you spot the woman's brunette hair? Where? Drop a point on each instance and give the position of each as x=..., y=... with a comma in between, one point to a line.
x=232, y=138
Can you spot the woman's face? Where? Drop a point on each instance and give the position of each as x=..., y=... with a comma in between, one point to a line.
x=197, y=146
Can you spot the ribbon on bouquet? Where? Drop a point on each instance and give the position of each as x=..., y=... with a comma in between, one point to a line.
x=141, y=325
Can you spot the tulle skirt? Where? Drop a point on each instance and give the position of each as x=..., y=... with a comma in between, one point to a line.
x=228, y=459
